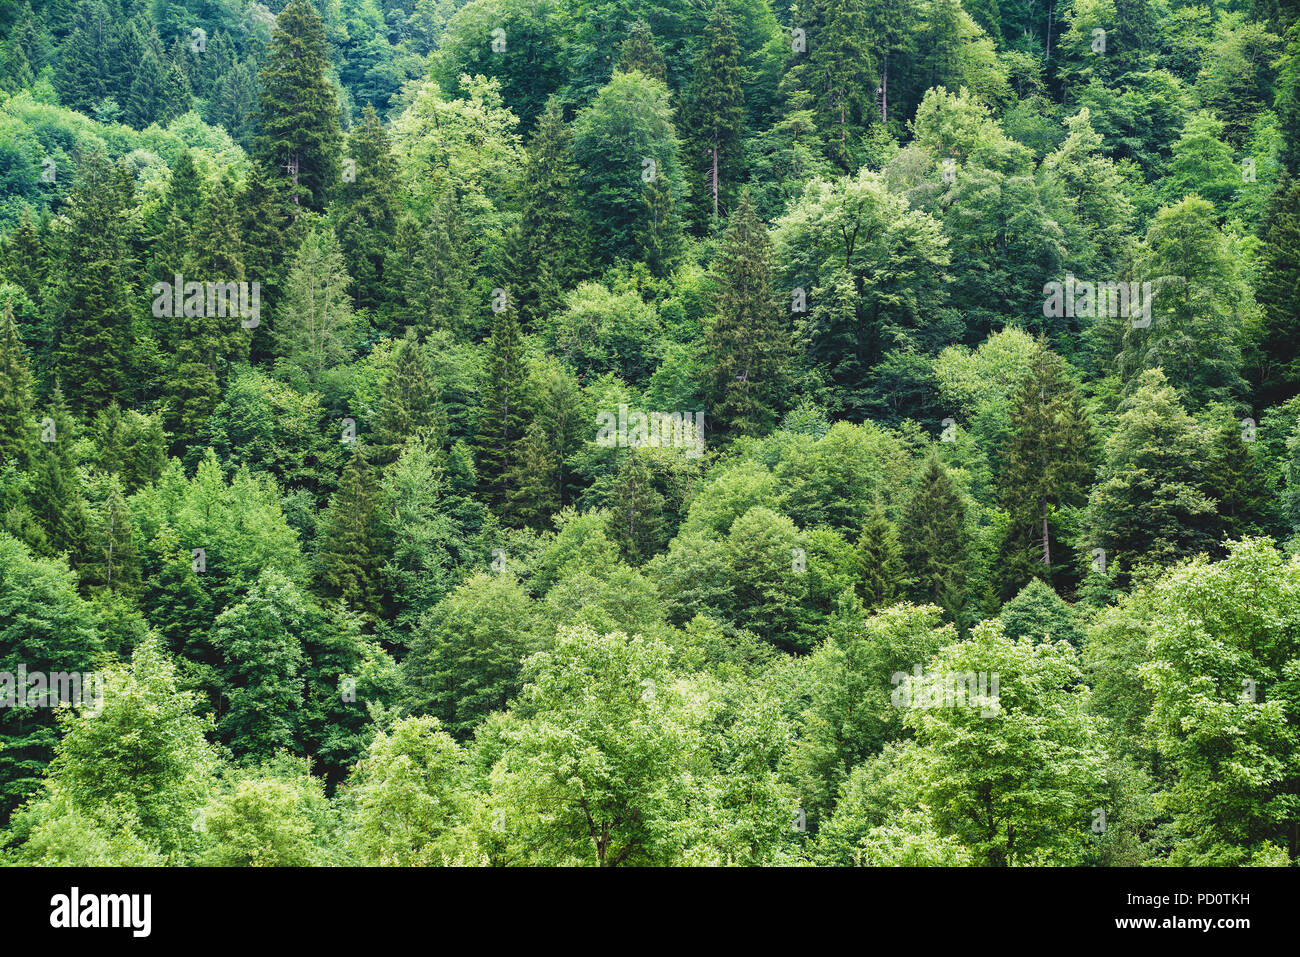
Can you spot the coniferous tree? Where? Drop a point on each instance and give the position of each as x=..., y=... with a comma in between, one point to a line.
x=1046, y=467
x=640, y=53
x=352, y=545
x=747, y=348
x=936, y=541
x=550, y=246
x=636, y=508
x=298, y=113
x=315, y=328
x=94, y=297
x=56, y=498
x=502, y=414
x=17, y=427
x=716, y=115
x=1278, y=294
x=837, y=70
x=882, y=573
x=213, y=338
x=409, y=406
x=367, y=209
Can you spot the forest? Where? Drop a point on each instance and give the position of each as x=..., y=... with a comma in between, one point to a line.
x=844, y=433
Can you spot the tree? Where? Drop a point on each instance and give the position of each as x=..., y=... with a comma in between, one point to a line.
x=715, y=114
x=1200, y=303
x=315, y=330
x=467, y=651
x=748, y=353
x=640, y=53
x=550, y=244
x=1010, y=769
x=142, y=764
x=599, y=767
x=1222, y=650
x=353, y=540
x=627, y=149
x=405, y=796
x=45, y=627
x=367, y=213
x=1147, y=505
x=936, y=542
x=17, y=426
x=502, y=416
x=1046, y=466
x=298, y=108
x=262, y=662
x=1278, y=294
x=410, y=405
x=94, y=295
x=883, y=578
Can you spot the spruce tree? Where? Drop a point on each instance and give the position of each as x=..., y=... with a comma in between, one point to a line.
x=746, y=343
x=298, y=114
x=1278, y=294
x=56, y=498
x=1046, y=467
x=936, y=541
x=549, y=249
x=502, y=414
x=409, y=406
x=716, y=115
x=95, y=295
x=352, y=544
x=367, y=218
x=882, y=573
x=640, y=53
x=208, y=344
x=17, y=427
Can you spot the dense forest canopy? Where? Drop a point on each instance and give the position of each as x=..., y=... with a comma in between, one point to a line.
x=528, y=432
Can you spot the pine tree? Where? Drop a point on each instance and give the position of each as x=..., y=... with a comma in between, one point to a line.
x=837, y=70
x=636, y=509
x=367, y=220
x=315, y=328
x=1278, y=294
x=936, y=541
x=1047, y=467
x=549, y=249
x=208, y=343
x=145, y=103
x=113, y=558
x=502, y=415
x=97, y=289
x=716, y=113
x=352, y=544
x=882, y=573
x=746, y=344
x=56, y=498
x=410, y=404
x=17, y=427
x=640, y=53
x=299, y=117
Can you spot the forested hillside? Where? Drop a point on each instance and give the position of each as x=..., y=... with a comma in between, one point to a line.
x=680, y=432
